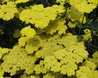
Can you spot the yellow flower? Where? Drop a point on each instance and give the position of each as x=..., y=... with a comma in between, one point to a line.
x=1, y=73
x=90, y=64
x=41, y=16
x=93, y=1
x=86, y=72
x=57, y=25
x=71, y=25
x=17, y=60
x=87, y=35
x=28, y=32
x=3, y=51
x=7, y=11
x=83, y=6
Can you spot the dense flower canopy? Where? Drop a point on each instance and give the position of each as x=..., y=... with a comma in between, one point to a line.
x=48, y=38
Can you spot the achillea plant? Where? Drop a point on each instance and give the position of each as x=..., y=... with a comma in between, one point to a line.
x=48, y=39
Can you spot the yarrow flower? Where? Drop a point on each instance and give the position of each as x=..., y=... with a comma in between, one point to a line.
x=8, y=11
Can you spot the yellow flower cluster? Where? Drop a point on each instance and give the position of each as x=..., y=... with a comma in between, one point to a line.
x=74, y=13
x=93, y=1
x=83, y=6
x=69, y=57
x=40, y=16
x=56, y=42
x=1, y=73
x=53, y=49
x=95, y=58
x=75, y=16
x=45, y=47
x=67, y=65
x=3, y=51
x=15, y=1
x=32, y=45
x=90, y=64
x=57, y=25
x=8, y=11
x=27, y=33
x=86, y=72
x=17, y=60
x=87, y=35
